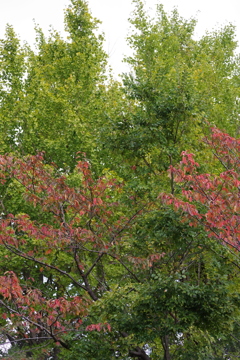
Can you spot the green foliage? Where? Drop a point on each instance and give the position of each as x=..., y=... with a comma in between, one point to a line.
x=94, y=263
x=178, y=85
x=57, y=89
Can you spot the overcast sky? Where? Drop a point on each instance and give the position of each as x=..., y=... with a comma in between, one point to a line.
x=114, y=14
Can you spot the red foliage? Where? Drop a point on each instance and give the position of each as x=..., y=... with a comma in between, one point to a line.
x=99, y=327
x=82, y=224
x=208, y=199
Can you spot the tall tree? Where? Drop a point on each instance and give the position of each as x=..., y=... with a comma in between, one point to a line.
x=178, y=84
x=51, y=98
x=147, y=281
x=97, y=266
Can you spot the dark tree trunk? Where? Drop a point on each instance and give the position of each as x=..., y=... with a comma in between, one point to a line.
x=165, y=344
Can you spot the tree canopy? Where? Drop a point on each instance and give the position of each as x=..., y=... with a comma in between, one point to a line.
x=119, y=225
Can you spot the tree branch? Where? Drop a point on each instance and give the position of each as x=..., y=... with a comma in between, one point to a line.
x=25, y=256
x=139, y=353
x=39, y=326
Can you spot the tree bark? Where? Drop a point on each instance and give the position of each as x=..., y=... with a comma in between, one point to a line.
x=165, y=344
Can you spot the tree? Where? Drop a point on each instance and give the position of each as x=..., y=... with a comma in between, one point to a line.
x=43, y=296
x=212, y=202
x=218, y=195
x=52, y=99
x=177, y=84
x=142, y=280
x=94, y=262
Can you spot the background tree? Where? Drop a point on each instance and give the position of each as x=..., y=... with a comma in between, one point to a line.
x=52, y=97
x=177, y=83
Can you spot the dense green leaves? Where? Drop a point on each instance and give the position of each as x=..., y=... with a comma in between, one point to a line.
x=56, y=89
x=94, y=262
x=178, y=84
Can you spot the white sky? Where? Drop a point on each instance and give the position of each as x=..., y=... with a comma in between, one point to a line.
x=114, y=15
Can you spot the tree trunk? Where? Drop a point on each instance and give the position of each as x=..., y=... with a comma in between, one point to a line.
x=165, y=344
